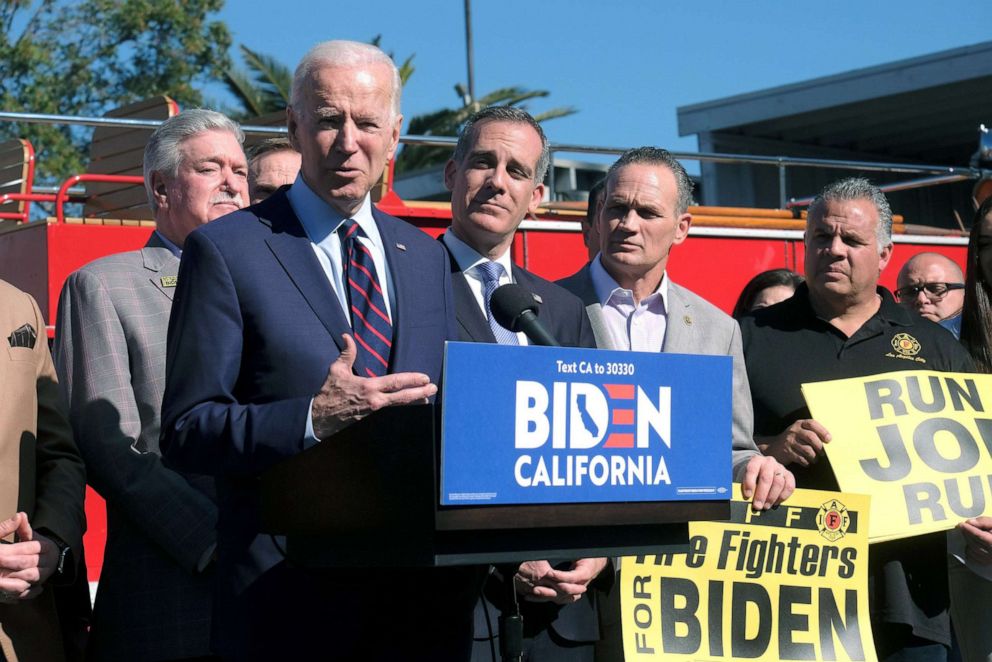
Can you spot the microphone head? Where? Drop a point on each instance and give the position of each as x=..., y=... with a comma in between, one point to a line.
x=508, y=303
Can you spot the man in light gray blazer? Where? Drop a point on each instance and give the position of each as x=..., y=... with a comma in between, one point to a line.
x=634, y=306
x=153, y=599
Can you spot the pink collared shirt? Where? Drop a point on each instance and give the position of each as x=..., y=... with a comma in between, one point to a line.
x=636, y=327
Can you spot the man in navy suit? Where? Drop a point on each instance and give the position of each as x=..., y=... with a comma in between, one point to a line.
x=496, y=177
x=292, y=319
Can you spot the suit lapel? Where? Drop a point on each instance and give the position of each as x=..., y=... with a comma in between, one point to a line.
x=292, y=248
x=680, y=329
x=471, y=322
x=594, y=309
x=163, y=265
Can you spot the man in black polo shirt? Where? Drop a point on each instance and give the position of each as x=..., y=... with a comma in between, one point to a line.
x=841, y=324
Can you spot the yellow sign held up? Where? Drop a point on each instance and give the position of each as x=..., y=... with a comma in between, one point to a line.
x=919, y=442
x=785, y=584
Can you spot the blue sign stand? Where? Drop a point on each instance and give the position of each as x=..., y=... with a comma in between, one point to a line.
x=539, y=425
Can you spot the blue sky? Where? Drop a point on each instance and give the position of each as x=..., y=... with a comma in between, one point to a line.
x=625, y=65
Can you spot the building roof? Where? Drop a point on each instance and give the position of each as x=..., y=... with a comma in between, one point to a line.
x=925, y=109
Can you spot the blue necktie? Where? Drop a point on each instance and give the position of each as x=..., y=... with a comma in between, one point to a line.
x=491, y=272
x=370, y=322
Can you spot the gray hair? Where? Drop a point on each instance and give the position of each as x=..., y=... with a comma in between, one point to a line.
x=504, y=114
x=342, y=53
x=162, y=153
x=855, y=188
x=657, y=156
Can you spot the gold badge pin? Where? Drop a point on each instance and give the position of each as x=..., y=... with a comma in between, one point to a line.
x=687, y=320
x=169, y=281
x=905, y=344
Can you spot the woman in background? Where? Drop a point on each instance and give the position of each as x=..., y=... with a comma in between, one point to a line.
x=765, y=289
x=970, y=564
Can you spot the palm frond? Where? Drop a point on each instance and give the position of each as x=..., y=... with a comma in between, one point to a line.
x=407, y=69
x=244, y=90
x=274, y=79
x=555, y=113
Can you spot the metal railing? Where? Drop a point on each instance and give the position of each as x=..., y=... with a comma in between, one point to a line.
x=940, y=174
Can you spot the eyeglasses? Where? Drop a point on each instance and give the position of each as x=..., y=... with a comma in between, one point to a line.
x=935, y=291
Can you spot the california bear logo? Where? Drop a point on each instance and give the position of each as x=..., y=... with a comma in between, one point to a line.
x=905, y=344
x=833, y=520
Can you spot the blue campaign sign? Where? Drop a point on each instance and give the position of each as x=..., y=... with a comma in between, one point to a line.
x=525, y=425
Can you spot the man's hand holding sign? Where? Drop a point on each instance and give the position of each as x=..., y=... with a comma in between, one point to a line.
x=978, y=538
x=801, y=443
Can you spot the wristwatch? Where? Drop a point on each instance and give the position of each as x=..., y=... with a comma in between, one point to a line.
x=63, y=567
x=64, y=551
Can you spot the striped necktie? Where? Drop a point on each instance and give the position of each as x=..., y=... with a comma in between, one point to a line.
x=369, y=320
x=491, y=272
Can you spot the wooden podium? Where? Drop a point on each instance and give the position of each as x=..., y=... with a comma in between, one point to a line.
x=369, y=496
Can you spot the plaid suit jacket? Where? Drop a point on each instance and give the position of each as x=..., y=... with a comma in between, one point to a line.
x=152, y=600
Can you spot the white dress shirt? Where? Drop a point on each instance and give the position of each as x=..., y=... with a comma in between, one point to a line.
x=467, y=259
x=636, y=327
x=321, y=222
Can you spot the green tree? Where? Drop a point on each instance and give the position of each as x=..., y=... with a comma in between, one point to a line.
x=90, y=56
x=446, y=122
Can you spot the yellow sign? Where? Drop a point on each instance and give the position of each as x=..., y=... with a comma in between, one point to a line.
x=919, y=442
x=786, y=584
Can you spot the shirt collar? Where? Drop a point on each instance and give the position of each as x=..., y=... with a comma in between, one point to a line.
x=467, y=258
x=888, y=311
x=320, y=219
x=166, y=243
x=606, y=286
x=891, y=311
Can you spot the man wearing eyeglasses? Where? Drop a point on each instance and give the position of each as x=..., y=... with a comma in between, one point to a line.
x=932, y=286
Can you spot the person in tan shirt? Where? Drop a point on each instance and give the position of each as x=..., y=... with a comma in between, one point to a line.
x=42, y=482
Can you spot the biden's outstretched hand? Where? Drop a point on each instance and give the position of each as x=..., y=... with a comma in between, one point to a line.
x=345, y=397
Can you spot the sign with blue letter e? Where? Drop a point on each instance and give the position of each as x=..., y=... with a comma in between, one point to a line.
x=528, y=425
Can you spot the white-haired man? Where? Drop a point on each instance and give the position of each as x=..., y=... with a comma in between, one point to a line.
x=153, y=601
x=294, y=318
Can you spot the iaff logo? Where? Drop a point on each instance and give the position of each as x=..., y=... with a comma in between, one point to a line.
x=577, y=415
x=833, y=520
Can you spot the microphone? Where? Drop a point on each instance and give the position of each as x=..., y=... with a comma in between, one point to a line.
x=515, y=309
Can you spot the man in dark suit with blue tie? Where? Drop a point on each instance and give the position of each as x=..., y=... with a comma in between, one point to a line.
x=292, y=319
x=496, y=177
